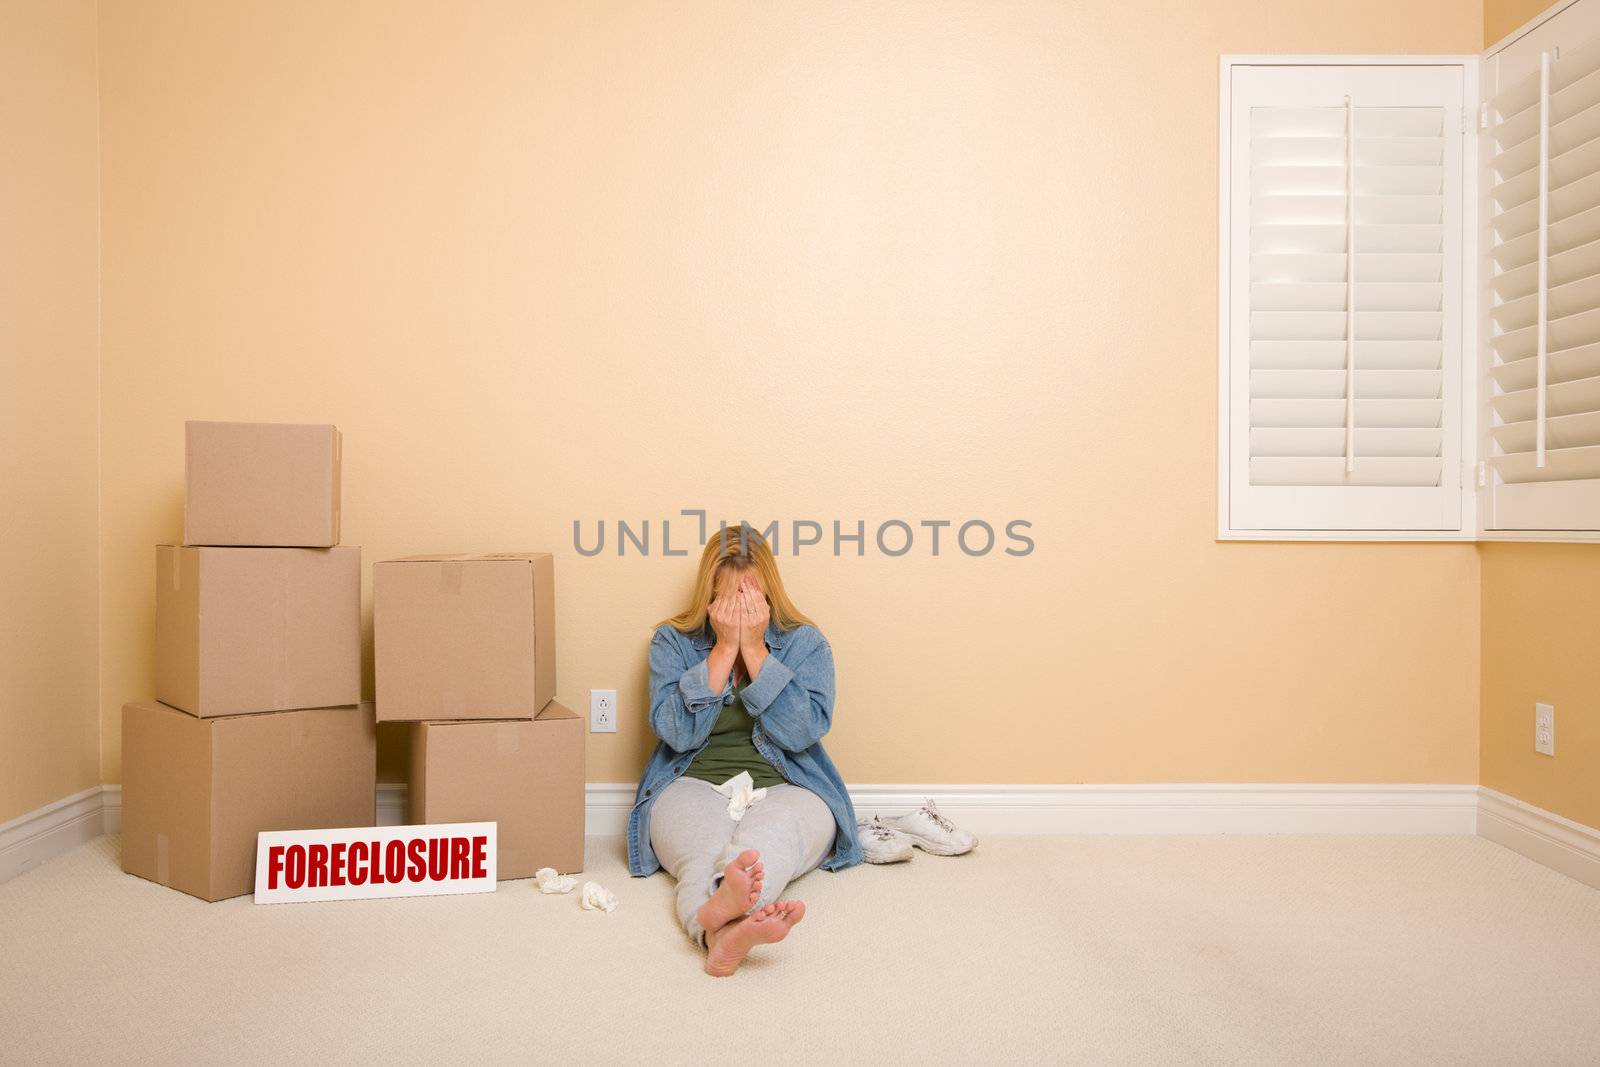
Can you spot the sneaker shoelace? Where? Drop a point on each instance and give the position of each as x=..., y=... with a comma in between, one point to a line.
x=880, y=831
x=939, y=820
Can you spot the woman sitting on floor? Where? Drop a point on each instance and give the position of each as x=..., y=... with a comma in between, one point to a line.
x=741, y=683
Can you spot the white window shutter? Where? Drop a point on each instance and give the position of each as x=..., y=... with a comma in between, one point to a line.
x=1541, y=413
x=1342, y=357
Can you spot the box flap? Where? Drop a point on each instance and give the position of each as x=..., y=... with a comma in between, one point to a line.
x=555, y=711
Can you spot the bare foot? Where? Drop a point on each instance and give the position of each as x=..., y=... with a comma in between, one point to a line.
x=738, y=893
x=728, y=947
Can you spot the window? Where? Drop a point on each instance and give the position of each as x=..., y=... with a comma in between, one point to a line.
x=1541, y=268
x=1342, y=311
x=1410, y=292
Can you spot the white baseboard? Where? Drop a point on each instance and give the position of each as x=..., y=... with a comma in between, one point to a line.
x=1544, y=837
x=1118, y=809
x=1100, y=809
x=391, y=804
x=30, y=839
x=1187, y=809
x=1560, y=843
x=112, y=801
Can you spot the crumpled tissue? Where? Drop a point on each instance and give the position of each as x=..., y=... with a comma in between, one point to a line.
x=741, y=794
x=597, y=897
x=550, y=881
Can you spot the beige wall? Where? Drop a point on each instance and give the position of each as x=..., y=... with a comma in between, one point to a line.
x=1500, y=17
x=1541, y=615
x=49, y=263
x=554, y=262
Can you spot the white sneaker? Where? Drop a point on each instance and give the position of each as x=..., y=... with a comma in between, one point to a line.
x=881, y=843
x=933, y=833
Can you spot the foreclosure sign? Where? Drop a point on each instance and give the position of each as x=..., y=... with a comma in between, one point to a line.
x=388, y=861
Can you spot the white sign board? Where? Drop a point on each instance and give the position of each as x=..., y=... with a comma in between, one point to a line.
x=378, y=861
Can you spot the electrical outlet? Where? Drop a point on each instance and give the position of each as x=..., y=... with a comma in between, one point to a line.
x=1544, y=729
x=602, y=711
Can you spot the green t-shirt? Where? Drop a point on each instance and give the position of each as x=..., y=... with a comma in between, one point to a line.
x=730, y=750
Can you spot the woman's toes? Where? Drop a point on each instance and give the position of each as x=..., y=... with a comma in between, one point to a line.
x=749, y=858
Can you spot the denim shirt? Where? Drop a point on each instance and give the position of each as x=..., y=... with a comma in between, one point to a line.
x=791, y=701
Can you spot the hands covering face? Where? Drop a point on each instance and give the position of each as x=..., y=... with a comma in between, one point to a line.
x=726, y=618
x=754, y=612
x=739, y=616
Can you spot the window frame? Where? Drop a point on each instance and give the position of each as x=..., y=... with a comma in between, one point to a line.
x=1469, y=371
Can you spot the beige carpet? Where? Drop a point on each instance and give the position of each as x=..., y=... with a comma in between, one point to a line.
x=1194, y=949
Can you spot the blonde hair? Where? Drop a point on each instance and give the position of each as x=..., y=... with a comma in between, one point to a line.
x=737, y=549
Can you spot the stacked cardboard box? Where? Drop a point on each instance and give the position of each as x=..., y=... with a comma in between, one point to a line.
x=465, y=652
x=258, y=665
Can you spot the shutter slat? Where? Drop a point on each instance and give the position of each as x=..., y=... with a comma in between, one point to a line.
x=1571, y=365
x=1509, y=225
x=1574, y=197
x=1564, y=137
x=1569, y=266
x=1567, y=234
x=1565, y=202
x=1329, y=152
x=1565, y=169
x=1312, y=441
x=1564, y=300
x=1330, y=296
x=1561, y=464
x=1573, y=331
x=1566, y=102
x=1385, y=413
x=1562, y=431
x=1513, y=284
x=1565, y=398
x=1329, y=181
x=1375, y=123
x=1576, y=64
x=1330, y=355
x=1329, y=267
x=1515, y=190
x=1575, y=264
x=1330, y=325
x=1372, y=470
x=1325, y=238
x=1330, y=384
x=1323, y=209
x=1570, y=133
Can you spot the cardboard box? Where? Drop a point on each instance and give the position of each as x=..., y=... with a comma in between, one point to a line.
x=525, y=775
x=258, y=483
x=195, y=792
x=464, y=637
x=257, y=629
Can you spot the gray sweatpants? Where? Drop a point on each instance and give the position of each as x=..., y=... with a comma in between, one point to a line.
x=695, y=838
